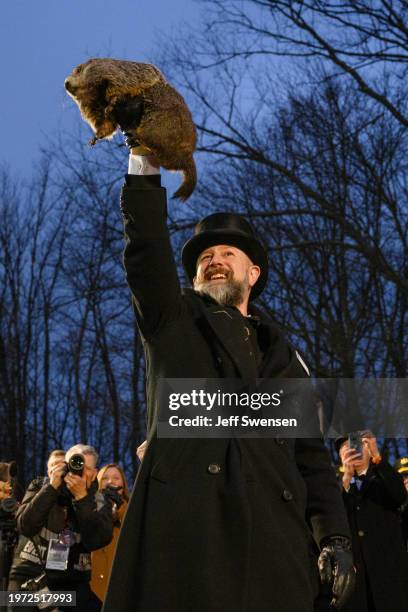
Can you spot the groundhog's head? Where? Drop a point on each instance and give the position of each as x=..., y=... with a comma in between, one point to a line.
x=99, y=83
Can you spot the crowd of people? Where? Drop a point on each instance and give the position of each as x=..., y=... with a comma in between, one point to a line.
x=68, y=524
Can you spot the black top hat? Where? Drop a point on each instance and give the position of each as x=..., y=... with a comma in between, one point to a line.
x=402, y=465
x=231, y=229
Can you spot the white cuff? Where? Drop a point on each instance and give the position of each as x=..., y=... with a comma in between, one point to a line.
x=139, y=164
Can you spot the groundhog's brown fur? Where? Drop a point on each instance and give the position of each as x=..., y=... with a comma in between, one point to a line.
x=166, y=127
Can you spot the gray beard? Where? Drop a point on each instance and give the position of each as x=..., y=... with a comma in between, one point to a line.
x=231, y=293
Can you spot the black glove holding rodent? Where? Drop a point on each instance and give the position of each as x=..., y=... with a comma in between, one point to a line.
x=128, y=113
x=336, y=565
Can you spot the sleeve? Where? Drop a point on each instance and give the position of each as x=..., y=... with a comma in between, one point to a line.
x=34, y=509
x=148, y=257
x=325, y=509
x=95, y=520
x=394, y=491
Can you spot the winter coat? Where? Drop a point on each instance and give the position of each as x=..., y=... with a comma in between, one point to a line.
x=43, y=514
x=379, y=552
x=213, y=525
x=102, y=558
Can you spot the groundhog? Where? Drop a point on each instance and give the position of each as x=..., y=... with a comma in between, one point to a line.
x=166, y=127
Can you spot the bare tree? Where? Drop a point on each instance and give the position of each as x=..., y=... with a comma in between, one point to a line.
x=301, y=112
x=30, y=264
x=72, y=368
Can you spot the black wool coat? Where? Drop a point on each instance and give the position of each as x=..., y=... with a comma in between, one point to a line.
x=237, y=540
x=379, y=551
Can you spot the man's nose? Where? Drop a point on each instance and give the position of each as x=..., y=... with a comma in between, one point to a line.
x=216, y=260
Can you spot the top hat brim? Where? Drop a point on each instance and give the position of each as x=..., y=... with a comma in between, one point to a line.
x=250, y=246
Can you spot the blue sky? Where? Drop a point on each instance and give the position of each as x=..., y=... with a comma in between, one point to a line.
x=42, y=40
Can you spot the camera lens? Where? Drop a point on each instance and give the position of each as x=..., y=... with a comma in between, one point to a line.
x=76, y=463
x=9, y=505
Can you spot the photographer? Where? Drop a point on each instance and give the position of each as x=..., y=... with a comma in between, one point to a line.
x=63, y=518
x=8, y=508
x=372, y=493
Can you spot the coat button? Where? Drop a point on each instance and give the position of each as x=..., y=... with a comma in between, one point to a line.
x=279, y=441
x=357, y=507
x=287, y=495
x=214, y=468
x=360, y=532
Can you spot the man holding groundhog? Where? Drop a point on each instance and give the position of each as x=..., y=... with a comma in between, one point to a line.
x=217, y=525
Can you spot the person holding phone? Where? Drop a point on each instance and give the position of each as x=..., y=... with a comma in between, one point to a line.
x=372, y=493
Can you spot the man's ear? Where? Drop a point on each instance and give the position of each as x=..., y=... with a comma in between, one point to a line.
x=254, y=274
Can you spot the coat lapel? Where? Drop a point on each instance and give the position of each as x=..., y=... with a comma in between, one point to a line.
x=228, y=329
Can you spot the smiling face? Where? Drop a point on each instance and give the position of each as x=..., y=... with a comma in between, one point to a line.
x=112, y=477
x=226, y=274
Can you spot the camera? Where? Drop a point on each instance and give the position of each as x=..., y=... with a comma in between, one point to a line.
x=8, y=508
x=35, y=584
x=75, y=464
x=113, y=494
x=39, y=585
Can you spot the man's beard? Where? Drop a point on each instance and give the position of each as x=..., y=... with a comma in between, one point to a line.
x=229, y=293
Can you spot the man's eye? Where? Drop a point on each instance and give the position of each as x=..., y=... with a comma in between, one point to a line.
x=205, y=257
x=230, y=253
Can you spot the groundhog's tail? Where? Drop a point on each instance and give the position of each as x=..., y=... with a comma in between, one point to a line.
x=190, y=180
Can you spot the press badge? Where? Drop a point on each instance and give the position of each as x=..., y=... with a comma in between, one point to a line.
x=57, y=557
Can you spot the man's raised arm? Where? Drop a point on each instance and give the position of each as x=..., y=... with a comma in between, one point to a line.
x=148, y=257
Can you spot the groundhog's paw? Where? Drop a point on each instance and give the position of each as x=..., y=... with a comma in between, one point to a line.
x=105, y=129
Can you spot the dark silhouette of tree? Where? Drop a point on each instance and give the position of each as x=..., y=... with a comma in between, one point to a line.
x=301, y=112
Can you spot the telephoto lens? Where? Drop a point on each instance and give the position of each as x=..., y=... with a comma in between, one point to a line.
x=76, y=464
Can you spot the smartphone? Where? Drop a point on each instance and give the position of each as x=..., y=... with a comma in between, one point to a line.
x=355, y=442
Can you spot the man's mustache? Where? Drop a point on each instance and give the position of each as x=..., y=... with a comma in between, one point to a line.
x=213, y=271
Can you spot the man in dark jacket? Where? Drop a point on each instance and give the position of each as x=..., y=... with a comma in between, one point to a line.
x=217, y=524
x=373, y=492
x=65, y=511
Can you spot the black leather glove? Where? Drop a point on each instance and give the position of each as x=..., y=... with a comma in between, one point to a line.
x=336, y=565
x=128, y=114
x=112, y=493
